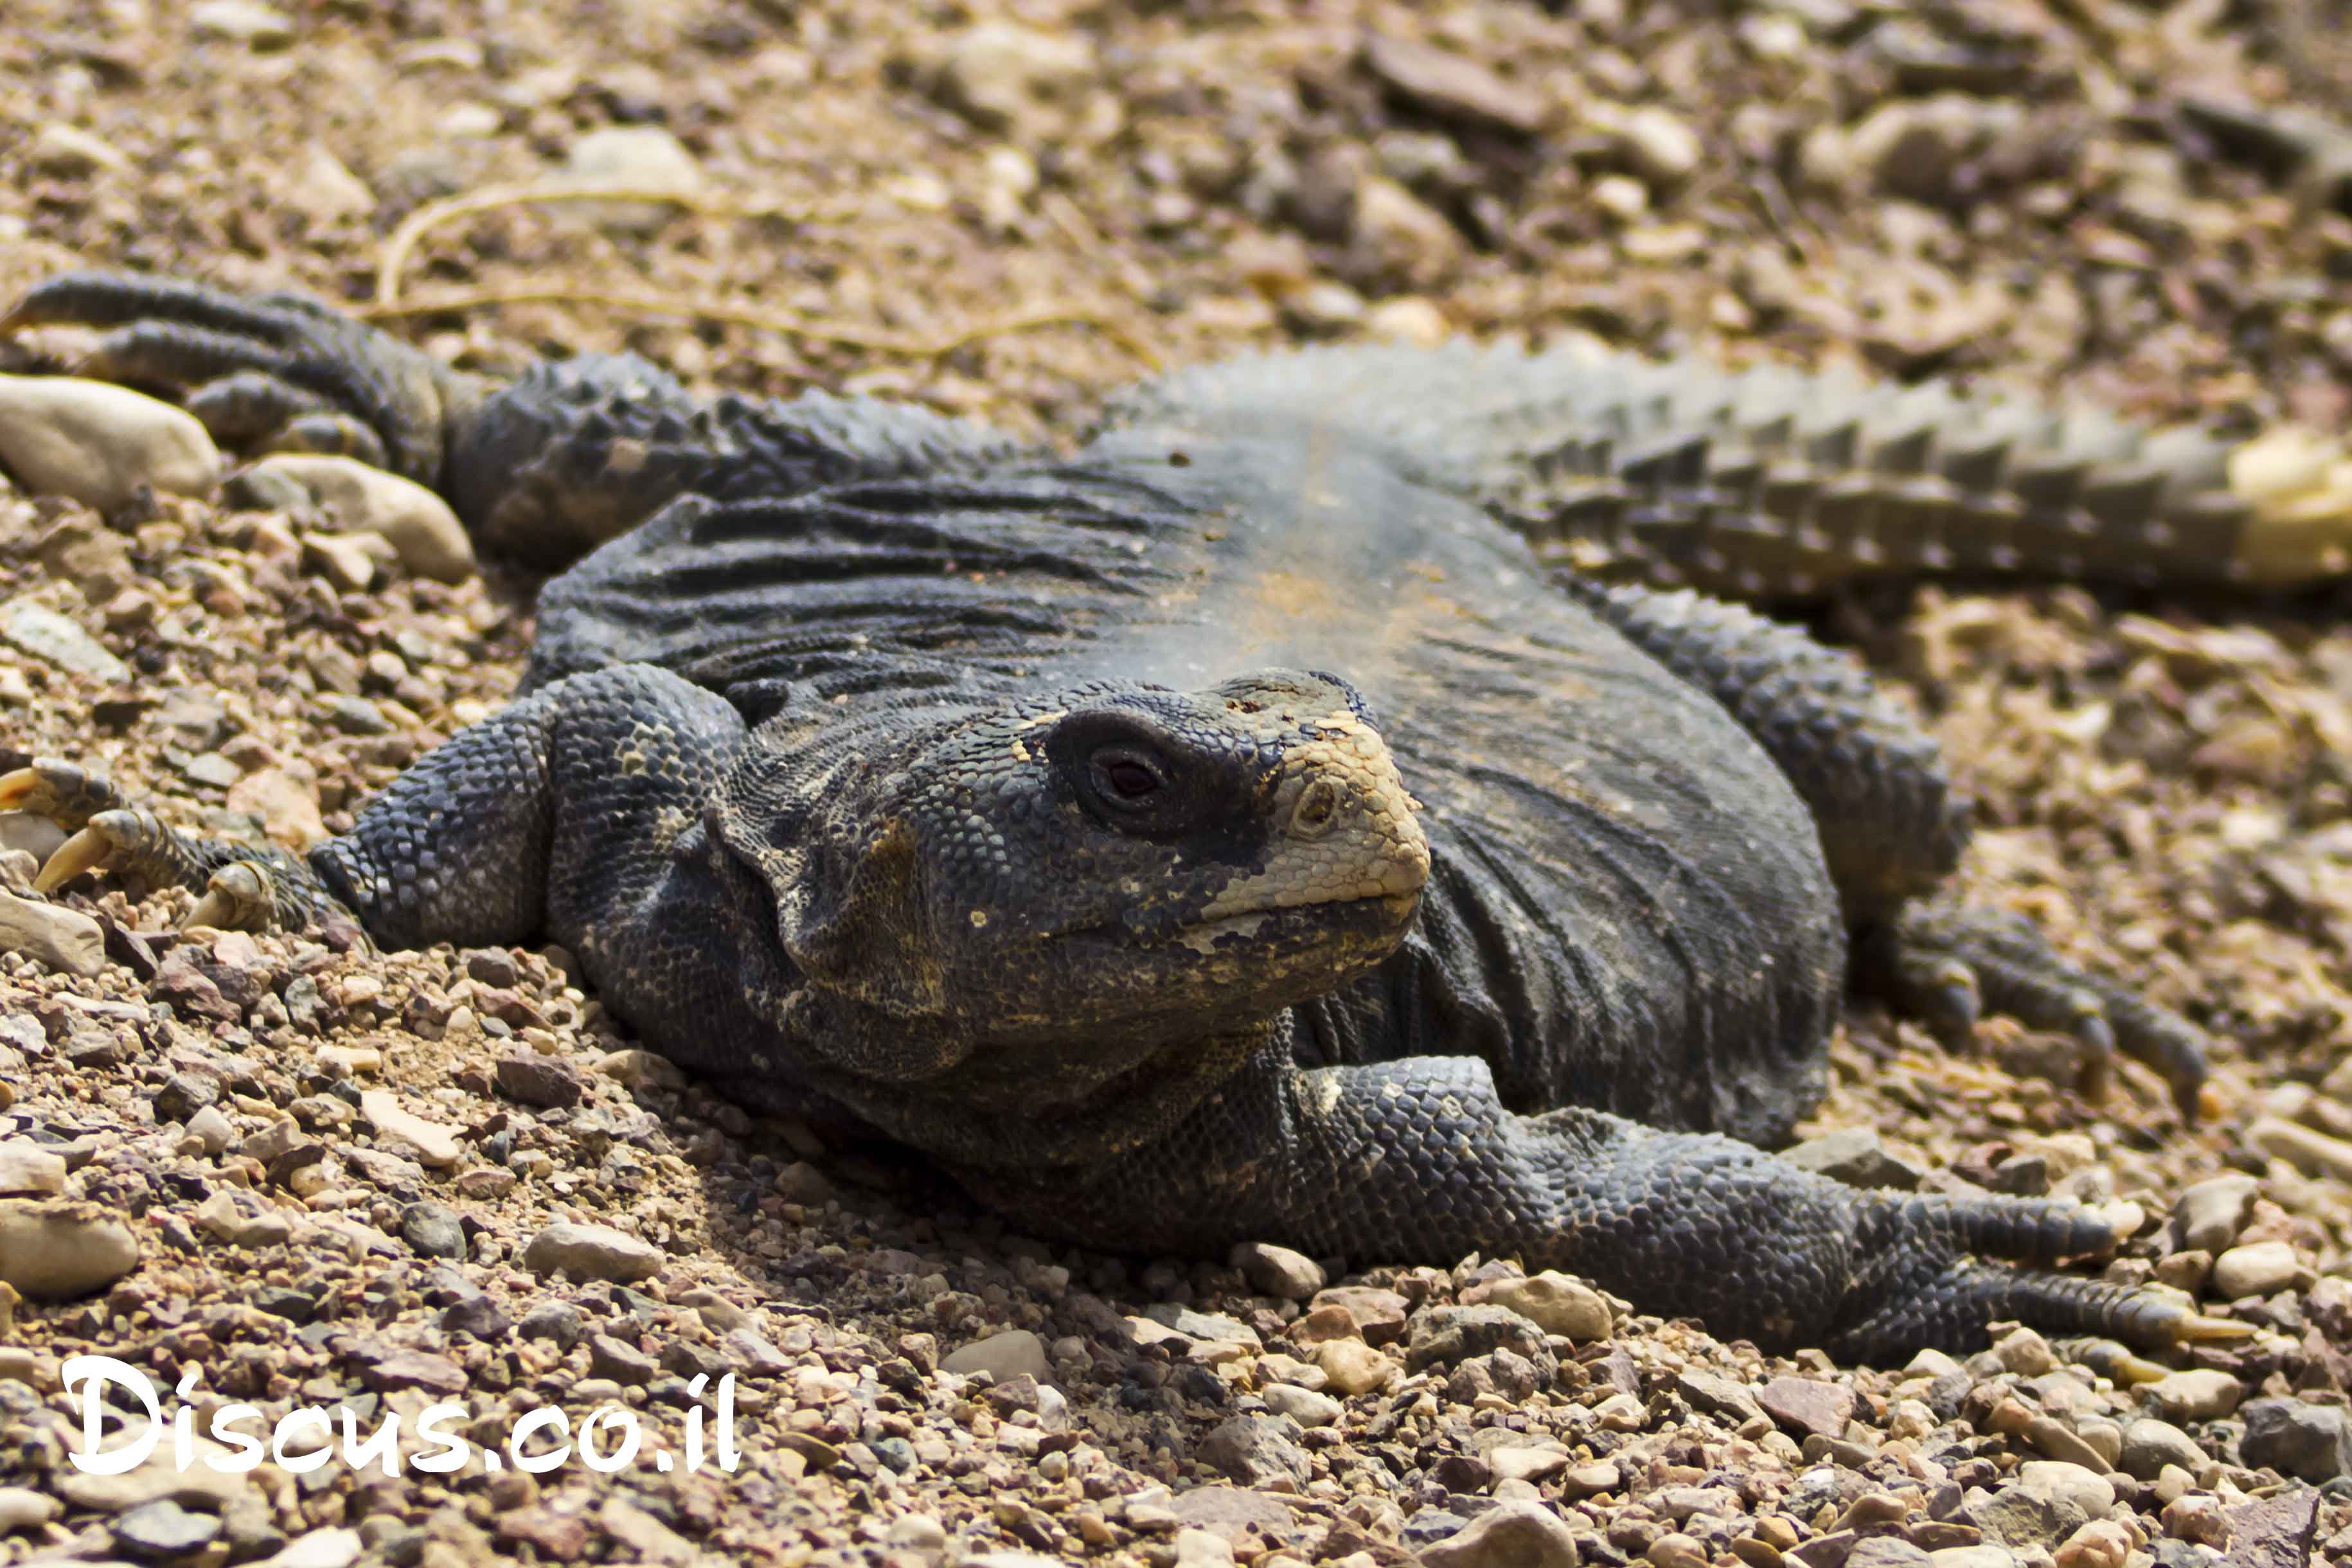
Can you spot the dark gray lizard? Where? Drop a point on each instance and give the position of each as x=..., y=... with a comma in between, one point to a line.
x=1239, y=829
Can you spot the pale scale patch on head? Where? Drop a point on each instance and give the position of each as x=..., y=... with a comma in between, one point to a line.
x=1344, y=825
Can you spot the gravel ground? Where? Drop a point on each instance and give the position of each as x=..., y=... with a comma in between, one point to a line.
x=317, y=1176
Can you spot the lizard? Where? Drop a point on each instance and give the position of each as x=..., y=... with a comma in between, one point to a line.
x=1300, y=813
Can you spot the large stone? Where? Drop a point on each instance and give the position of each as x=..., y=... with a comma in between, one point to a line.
x=53, y=1249
x=2150, y=1444
x=1512, y=1535
x=1255, y=1450
x=418, y=524
x=2265, y=1269
x=2294, y=1438
x=1305, y=1405
x=2048, y=1502
x=51, y=934
x=2274, y=1532
x=27, y=1170
x=436, y=1146
x=2199, y=1393
x=99, y=443
x=1447, y=1335
x=1354, y=1367
x=1003, y=76
x=1808, y=1407
x=2209, y=1215
x=1551, y=1300
x=53, y=640
x=1378, y=1315
x=592, y=1252
x=1277, y=1270
x=1014, y=1353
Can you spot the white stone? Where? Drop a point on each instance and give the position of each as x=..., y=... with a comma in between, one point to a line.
x=1303, y=1405
x=52, y=638
x=65, y=939
x=1510, y=1535
x=1551, y=1300
x=243, y=22
x=2265, y=1269
x=21, y=1507
x=29, y=1170
x=436, y=1146
x=98, y=443
x=592, y=1252
x=51, y=1249
x=2199, y=1393
x=68, y=152
x=419, y=526
x=1008, y=1355
x=642, y=157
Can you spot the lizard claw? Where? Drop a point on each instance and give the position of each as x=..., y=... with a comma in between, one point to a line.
x=237, y=896
x=87, y=850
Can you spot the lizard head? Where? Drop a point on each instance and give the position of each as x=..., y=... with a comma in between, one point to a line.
x=1110, y=868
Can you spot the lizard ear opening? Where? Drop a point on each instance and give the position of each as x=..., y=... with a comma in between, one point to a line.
x=862, y=931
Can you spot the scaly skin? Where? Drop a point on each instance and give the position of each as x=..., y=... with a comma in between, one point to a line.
x=877, y=767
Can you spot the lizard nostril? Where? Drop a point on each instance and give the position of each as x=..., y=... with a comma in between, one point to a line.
x=1317, y=809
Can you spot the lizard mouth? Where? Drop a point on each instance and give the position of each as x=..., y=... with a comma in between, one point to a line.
x=1288, y=926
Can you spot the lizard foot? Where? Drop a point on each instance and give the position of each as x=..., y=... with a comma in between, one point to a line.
x=1946, y=965
x=274, y=371
x=241, y=887
x=1919, y=1280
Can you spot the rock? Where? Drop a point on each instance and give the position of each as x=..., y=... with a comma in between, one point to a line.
x=1379, y=1315
x=424, y=533
x=51, y=1249
x=1202, y=1549
x=223, y=1217
x=534, y=1077
x=2274, y=1532
x=1551, y=1300
x=1807, y=1407
x=1002, y=76
x=1256, y=1449
x=65, y=153
x=1510, y=1535
x=2047, y=1502
x=322, y=189
x=1398, y=237
x=1353, y=1367
x=27, y=1170
x=1276, y=1270
x=156, y=1477
x=592, y=1252
x=1885, y=1552
x=99, y=443
x=1409, y=318
x=2198, y=1395
x=2211, y=1214
x=2101, y=1543
x=2150, y=1444
x=165, y=1529
x=436, y=1146
x=1725, y=1396
x=1304, y=1406
x=242, y=22
x=433, y=1230
x=1654, y=141
x=51, y=638
x=1443, y=1336
x=2308, y=1149
x=2311, y=1442
x=1513, y=1463
x=1854, y=1155
x=1455, y=87
x=1014, y=1353
x=2263, y=1270
x=612, y=1356
x=560, y=1323
x=52, y=935
x=641, y=158
x=287, y=801
x=336, y=1548
x=26, y=832
x=21, y=1507
x=1971, y=1557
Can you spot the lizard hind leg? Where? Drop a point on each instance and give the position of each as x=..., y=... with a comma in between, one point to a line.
x=1942, y=962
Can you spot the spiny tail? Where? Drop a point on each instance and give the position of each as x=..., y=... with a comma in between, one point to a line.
x=1769, y=483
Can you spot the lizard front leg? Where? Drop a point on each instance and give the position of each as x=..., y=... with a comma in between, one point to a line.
x=1418, y=1159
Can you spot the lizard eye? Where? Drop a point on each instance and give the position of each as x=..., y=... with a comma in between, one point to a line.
x=1128, y=774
